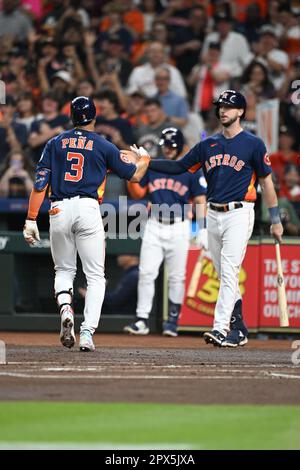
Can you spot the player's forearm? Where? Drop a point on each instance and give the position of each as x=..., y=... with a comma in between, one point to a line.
x=268, y=192
x=141, y=167
x=35, y=201
x=200, y=212
x=171, y=167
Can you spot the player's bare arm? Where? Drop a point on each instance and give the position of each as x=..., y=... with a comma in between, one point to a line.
x=271, y=201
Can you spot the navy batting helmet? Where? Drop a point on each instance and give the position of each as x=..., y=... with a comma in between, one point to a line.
x=172, y=137
x=231, y=98
x=83, y=111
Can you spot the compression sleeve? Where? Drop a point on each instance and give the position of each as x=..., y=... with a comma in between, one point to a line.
x=190, y=161
x=35, y=201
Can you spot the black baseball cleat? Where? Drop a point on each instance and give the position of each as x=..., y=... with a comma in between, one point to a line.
x=235, y=338
x=214, y=337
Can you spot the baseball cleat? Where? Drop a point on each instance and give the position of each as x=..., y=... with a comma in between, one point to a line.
x=235, y=338
x=214, y=337
x=67, y=334
x=137, y=328
x=86, y=341
x=170, y=329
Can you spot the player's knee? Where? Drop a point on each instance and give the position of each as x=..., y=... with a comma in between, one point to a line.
x=177, y=278
x=147, y=275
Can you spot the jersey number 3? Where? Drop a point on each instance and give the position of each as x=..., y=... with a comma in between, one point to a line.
x=75, y=167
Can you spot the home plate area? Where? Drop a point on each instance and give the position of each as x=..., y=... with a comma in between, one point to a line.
x=149, y=369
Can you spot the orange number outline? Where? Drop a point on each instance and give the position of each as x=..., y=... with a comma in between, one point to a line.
x=78, y=167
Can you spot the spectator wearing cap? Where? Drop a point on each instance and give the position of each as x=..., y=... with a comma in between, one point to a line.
x=189, y=39
x=274, y=59
x=18, y=58
x=208, y=79
x=286, y=153
x=109, y=124
x=26, y=112
x=13, y=22
x=234, y=47
x=63, y=86
x=149, y=136
x=135, y=110
x=51, y=124
x=143, y=76
x=13, y=135
x=175, y=106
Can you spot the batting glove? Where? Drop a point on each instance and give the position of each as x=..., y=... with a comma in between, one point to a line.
x=202, y=238
x=140, y=151
x=31, y=232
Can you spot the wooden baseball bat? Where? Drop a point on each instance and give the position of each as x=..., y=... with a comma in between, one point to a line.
x=283, y=314
x=196, y=275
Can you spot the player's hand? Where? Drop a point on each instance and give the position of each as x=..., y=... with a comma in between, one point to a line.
x=31, y=232
x=276, y=231
x=134, y=155
x=202, y=239
x=140, y=151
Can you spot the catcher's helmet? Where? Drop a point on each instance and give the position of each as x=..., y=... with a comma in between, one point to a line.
x=172, y=137
x=83, y=111
x=231, y=98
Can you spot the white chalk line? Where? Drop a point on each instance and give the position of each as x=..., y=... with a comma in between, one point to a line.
x=285, y=376
x=265, y=375
x=40, y=364
x=91, y=446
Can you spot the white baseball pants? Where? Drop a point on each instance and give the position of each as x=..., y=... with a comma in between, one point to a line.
x=228, y=235
x=162, y=241
x=78, y=228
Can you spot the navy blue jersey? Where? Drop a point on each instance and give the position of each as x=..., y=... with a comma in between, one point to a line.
x=79, y=160
x=231, y=166
x=173, y=189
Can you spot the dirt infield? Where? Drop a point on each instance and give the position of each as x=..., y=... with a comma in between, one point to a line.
x=149, y=369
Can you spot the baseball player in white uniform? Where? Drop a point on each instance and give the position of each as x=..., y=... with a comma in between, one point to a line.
x=166, y=235
x=233, y=162
x=73, y=167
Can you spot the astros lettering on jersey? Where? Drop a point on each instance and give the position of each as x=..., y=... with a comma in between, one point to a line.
x=231, y=166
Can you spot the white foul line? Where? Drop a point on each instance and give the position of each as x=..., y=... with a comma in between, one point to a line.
x=265, y=376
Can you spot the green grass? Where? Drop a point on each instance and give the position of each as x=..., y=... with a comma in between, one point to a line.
x=193, y=426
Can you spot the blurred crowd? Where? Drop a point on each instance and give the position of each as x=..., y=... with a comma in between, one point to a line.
x=148, y=64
